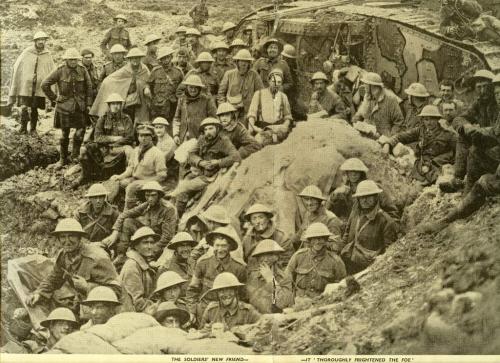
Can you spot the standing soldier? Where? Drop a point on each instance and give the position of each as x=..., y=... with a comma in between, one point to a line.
x=272, y=49
x=151, y=43
x=193, y=43
x=199, y=14
x=236, y=45
x=73, y=102
x=228, y=31
x=418, y=97
x=116, y=35
x=289, y=55
x=180, y=38
x=117, y=53
x=182, y=61
x=323, y=99
x=221, y=64
x=248, y=35
x=163, y=82
x=207, y=74
x=30, y=69
x=87, y=61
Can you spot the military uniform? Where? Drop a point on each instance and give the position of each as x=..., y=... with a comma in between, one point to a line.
x=163, y=84
x=242, y=140
x=199, y=14
x=242, y=314
x=270, y=297
x=411, y=116
x=330, y=102
x=116, y=36
x=265, y=65
x=150, y=60
x=209, y=79
x=97, y=226
x=456, y=17
x=322, y=215
x=311, y=273
x=110, y=68
x=189, y=114
x=94, y=78
x=221, y=68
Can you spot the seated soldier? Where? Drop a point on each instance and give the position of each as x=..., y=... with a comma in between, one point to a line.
x=268, y=290
x=182, y=263
x=327, y=99
x=82, y=265
x=418, y=98
x=269, y=115
x=341, y=200
x=235, y=131
x=456, y=18
x=17, y=339
x=369, y=229
x=165, y=142
x=435, y=147
x=137, y=276
x=112, y=146
x=102, y=304
x=60, y=322
x=212, y=153
x=170, y=315
x=227, y=307
x=311, y=268
x=96, y=215
x=313, y=200
x=147, y=163
x=154, y=212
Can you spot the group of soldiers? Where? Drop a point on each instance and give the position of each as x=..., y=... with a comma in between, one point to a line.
x=218, y=107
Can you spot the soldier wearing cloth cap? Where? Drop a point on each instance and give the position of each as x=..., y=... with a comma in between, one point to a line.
x=87, y=61
x=82, y=265
x=151, y=43
x=264, y=65
x=116, y=35
x=74, y=99
x=117, y=54
x=310, y=269
x=369, y=229
x=32, y=66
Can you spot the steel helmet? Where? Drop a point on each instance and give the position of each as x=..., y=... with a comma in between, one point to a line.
x=216, y=213
x=228, y=25
x=164, y=52
x=225, y=280
x=71, y=53
x=117, y=48
x=86, y=51
x=143, y=232
x=270, y=41
x=228, y=232
x=207, y=29
x=63, y=314
x=243, y=55
x=181, y=238
x=168, y=279
x=145, y=129
x=367, y=187
x=193, y=31
x=319, y=76
x=237, y=42
x=317, y=230
x=193, y=80
x=312, y=191
x=154, y=186
x=204, y=57
x=96, y=190
x=496, y=79
x=225, y=107
x=151, y=38
x=69, y=225
x=373, y=79
x=135, y=53
x=181, y=29
x=220, y=45
x=483, y=73
x=267, y=246
x=160, y=121
x=40, y=35
x=209, y=121
x=114, y=97
x=120, y=16
x=275, y=72
x=168, y=308
x=101, y=294
x=353, y=164
x=430, y=111
x=259, y=208
x=289, y=51
x=417, y=90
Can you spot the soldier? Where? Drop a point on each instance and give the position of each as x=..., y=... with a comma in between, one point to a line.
x=289, y=55
x=447, y=94
x=18, y=333
x=269, y=114
x=151, y=43
x=221, y=64
x=212, y=153
x=73, y=102
x=268, y=288
x=369, y=229
x=137, y=276
x=116, y=35
x=224, y=240
x=435, y=145
x=228, y=31
x=341, y=200
x=207, y=74
x=117, y=54
x=182, y=244
x=248, y=35
x=165, y=142
x=227, y=307
x=326, y=100
x=147, y=163
x=240, y=84
x=60, y=322
x=180, y=38
x=102, y=304
x=379, y=107
x=30, y=69
x=194, y=46
x=199, y=14
x=482, y=112
x=313, y=200
x=171, y=287
x=449, y=112
x=170, y=315
x=83, y=265
x=87, y=62
x=310, y=269
x=262, y=227
x=112, y=146
x=193, y=107
x=163, y=82
x=183, y=61
x=457, y=16
x=154, y=212
x=235, y=131
x=96, y=215
x=418, y=98
x=263, y=66
x=236, y=45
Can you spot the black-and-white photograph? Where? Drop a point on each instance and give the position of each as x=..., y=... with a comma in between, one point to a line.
x=250, y=179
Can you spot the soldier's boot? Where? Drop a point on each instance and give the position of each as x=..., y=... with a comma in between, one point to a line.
x=75, y=150
x=33, y=121
x=452, y=186
x=63, y=154
x=25, y=117
x=85, y=175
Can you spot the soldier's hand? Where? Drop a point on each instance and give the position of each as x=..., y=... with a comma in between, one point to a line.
x=110, y=240
x=266, y=272
x=147, y=92
x=177, y=140
x=33, y=299
x=80, y=283
x=212, y=164
x=203, y=164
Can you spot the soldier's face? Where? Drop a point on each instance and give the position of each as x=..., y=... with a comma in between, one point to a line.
x=181, y=59
x=449, y=111
x=160, y=130
x=226, y=296
x=311, y=204
x=184, y=250
x=165, y=61
x=260, y=221
x=192, y=39
x=181, y=36
x=204, y=66
x=152, y=197
x=70, y=242
x=482, y=87
x=221, y=54
x=430, y=122
x=153, y=45
x=147, y=248
x=243, y=66
x=210, y=131
x=221, y=248
x=196, y=230
x=446, y=92
x=171, y=321
x=114, y=107
x=374, y=91
x=354, y=176
x=40, y=43
x=171, y=294
x=319, y=85
x=368, y=202
x=193, y=91
x=229, y=33
x=72, y=63
x=87, y=59
x=135, y=61
x=275, y=82
x=60, y=328
x=101, y=312
x=120, y=23
x=497, y=94
x=226, y=119
x=268, y=258
x=97, y=202
x=273, y=50
x=317, y=243
x=118, y=57
x=145, y=139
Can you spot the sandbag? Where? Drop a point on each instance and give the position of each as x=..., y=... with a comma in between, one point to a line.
x=82, y=342
x=122, y=325
x=154, y=340
x=215, y=346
